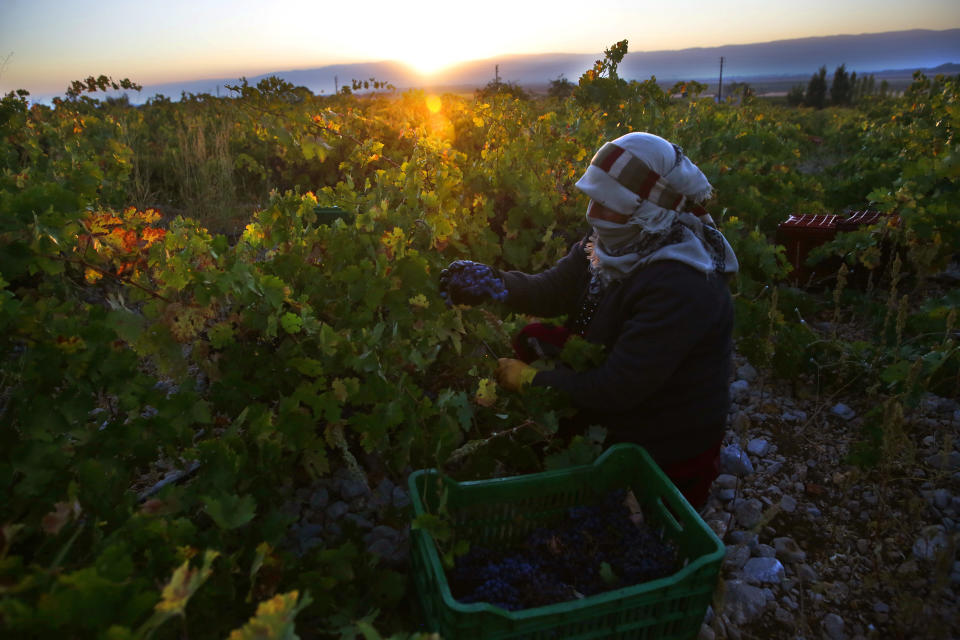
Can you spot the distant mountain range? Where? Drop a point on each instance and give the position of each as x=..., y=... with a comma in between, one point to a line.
x=896, y=53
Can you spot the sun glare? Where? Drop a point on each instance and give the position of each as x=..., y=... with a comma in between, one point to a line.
x=435, y=46
x=430, y=36
x=427, y=59
x=434, y=103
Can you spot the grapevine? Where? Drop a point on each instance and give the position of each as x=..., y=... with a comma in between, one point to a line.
x=212, y=391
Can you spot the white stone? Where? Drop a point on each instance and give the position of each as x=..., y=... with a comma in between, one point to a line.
x=788, y=504
x=949, y=461
x=743, y=602
x=788, y=550
x=931, y=543
x=733, y=460
x=748, y=512
x=783, y=616
x=758, y=447
x=737, y=556
x=941, y=498
x=739, y=390
x=807, y=573
x=833, y=626
x=763, y=571
x=748, y=538
x=740, y=422
x=726, y=481
x=929, y=403
x=747, y=372
x=794, y=416
x=843, y=411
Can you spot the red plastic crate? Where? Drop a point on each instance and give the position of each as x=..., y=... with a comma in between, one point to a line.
x=858, y=219
x=801, y=233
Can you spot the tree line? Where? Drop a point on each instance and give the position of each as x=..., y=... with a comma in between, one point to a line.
x=845, y=89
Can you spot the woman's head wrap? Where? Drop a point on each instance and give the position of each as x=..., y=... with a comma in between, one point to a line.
x=651, y=194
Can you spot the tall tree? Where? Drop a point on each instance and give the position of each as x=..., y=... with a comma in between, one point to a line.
x=795, y=96
x=560, y=88
x=863, y=87
x=817, y=89
x=841, y=89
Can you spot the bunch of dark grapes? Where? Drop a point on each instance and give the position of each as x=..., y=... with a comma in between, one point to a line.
x=564, y=562
x=645, y=557
x=511, y=582
x=468, y=282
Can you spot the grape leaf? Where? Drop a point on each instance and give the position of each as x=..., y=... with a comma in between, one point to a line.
x=274, y=618
x=230, y=511
x=182, y=585
x=291, y=323
x=486, y=395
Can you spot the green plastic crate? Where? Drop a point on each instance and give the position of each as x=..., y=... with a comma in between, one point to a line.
x=502, y=511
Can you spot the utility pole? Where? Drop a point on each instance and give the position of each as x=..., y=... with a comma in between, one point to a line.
x=720, y=86
x=336, y=85
x=496, y=75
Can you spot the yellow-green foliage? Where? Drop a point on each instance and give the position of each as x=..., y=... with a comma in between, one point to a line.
x=246, y=340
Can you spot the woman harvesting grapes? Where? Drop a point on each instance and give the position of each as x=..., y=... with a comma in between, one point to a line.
x=650, y=284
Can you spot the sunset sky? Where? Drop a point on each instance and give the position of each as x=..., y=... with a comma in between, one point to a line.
x=44, y=44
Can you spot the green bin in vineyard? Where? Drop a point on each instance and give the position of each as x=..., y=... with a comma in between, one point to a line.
x=499, y=512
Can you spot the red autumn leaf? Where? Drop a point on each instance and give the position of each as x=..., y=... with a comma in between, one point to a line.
x=151, y=235
x=131, y=242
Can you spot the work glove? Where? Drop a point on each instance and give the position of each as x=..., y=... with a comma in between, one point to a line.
x=468, y=282
x=513, y=374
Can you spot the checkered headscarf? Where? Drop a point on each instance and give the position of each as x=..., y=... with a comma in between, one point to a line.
x=654, y=194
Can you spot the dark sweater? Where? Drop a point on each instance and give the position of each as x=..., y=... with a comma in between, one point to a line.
x=667, y=329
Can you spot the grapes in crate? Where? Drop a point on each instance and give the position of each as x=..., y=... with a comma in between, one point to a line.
x=596, y=548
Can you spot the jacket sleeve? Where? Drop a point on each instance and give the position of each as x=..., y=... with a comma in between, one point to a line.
x=666, y=319
x=552, y=292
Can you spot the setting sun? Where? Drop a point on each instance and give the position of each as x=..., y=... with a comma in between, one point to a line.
x=434, y=103
x=435, y=38
x=426, y=60
x=433, y=54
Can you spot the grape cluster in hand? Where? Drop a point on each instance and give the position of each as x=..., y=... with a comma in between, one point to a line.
x=468, y=282
x=566, y=561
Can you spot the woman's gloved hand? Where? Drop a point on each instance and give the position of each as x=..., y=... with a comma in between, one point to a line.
x=468, y=282
x=514, y=374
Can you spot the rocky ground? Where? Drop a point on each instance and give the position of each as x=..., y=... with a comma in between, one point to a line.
x=820, y=548
x=817, y=547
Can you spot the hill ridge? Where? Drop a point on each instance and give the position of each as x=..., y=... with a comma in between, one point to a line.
x=894, y=52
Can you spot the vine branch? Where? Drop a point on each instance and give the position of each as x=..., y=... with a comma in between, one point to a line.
x=118, y=278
